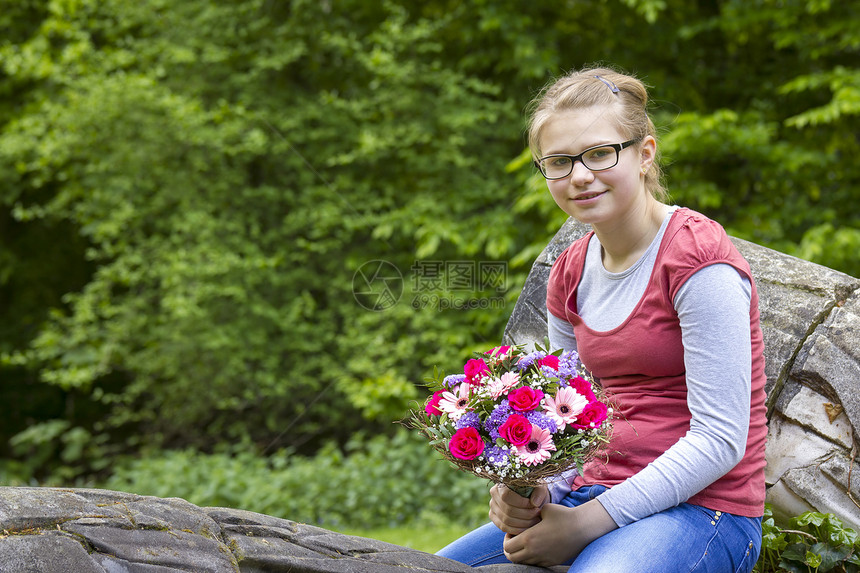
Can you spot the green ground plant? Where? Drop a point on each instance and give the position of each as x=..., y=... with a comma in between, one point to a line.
x=809, y=543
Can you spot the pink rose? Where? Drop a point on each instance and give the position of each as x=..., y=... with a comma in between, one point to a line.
x=517, y=430
x=550, y=360
x=592, y=416
x=432, y=406
x=583, y=386
x=525, y=399
x=466, y=444
x=475, y=369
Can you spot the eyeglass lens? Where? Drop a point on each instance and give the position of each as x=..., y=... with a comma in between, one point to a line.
x=597, y=159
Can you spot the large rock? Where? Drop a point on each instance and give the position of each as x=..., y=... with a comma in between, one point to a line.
x=49, y=530
x=811, y=323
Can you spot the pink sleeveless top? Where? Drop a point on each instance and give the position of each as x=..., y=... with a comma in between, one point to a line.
x=641, y=362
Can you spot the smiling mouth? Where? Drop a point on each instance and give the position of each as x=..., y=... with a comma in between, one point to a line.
x=588, y=196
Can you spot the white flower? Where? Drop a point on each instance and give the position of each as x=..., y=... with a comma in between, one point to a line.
x=455, y=405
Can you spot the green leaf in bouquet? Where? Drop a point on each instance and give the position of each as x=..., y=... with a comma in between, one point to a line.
x=437, y=381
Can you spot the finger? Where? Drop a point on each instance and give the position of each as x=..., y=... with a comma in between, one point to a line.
x=528, y=513
x=512, y=522
x=516, y=549
x=512, y=498
x=540, y=496
x=512, y=545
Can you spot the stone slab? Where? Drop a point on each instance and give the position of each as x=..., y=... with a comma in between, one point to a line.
x=45, y=552
x=817, y=488
x=830, y=359
x=809, y=410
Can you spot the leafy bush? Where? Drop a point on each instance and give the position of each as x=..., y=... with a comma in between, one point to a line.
x=376, y=482
x=810, y=542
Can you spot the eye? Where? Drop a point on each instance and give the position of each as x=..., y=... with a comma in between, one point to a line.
x=600, y=153
x=558, y=161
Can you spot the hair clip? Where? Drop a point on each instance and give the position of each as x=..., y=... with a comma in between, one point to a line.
x=609, y=84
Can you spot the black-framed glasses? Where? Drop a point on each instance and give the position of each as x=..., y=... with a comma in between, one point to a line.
x=597, y=158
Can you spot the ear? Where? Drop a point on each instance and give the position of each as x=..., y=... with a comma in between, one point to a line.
x=647, y=153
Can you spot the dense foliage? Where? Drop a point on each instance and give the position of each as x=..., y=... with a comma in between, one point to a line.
x=189, y=191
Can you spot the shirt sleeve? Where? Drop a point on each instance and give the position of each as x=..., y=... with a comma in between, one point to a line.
x=713, y=307
x=560, y=333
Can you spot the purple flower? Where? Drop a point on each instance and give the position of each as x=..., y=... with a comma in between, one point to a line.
x=469, y=420
x=567, y=365
x=549, y=372
x=497, y=417
x=453, y=379
x=541, y=420
x=497, y=456
x=529, y=359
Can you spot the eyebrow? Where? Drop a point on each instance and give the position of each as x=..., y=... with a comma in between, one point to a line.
x=583, y=149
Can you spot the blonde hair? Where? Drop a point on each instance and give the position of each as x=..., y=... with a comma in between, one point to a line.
x=601, y=86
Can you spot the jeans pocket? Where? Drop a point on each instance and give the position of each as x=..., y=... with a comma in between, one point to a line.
x=709, y=513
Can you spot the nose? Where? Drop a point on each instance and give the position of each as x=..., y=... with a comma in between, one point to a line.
x=581, y=174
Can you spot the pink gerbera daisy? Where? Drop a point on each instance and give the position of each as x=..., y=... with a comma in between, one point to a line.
x=455, y=405
x=537, y=449
x=499, y=386
x=566, y=406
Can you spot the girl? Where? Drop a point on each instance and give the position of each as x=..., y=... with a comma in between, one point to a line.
x=663, y=311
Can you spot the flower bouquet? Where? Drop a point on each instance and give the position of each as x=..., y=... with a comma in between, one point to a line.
x=516, y=418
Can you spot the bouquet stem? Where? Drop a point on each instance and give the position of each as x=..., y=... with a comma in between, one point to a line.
x=524, y=491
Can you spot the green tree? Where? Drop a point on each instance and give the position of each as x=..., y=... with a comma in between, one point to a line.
x=768, y=151
x=229, y=169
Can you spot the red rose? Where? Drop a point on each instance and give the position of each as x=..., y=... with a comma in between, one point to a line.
x=550, y=360
x=475, y=369
x=583, y=386
x=525, y=399
x=592, y=416
x=466, y=444
x=517, y=430
x=432, y=406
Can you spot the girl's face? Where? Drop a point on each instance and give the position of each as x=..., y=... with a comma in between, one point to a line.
x=597, y=197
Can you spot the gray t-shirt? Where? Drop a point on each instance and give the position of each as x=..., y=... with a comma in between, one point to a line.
x=713, y=308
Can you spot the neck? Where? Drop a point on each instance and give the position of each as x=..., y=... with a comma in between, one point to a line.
x=625, y=241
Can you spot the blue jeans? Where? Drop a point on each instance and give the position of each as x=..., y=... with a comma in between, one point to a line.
x=686, y=538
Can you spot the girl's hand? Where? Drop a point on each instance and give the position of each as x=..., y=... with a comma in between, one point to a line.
x=513, y=513
x=560, y=534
